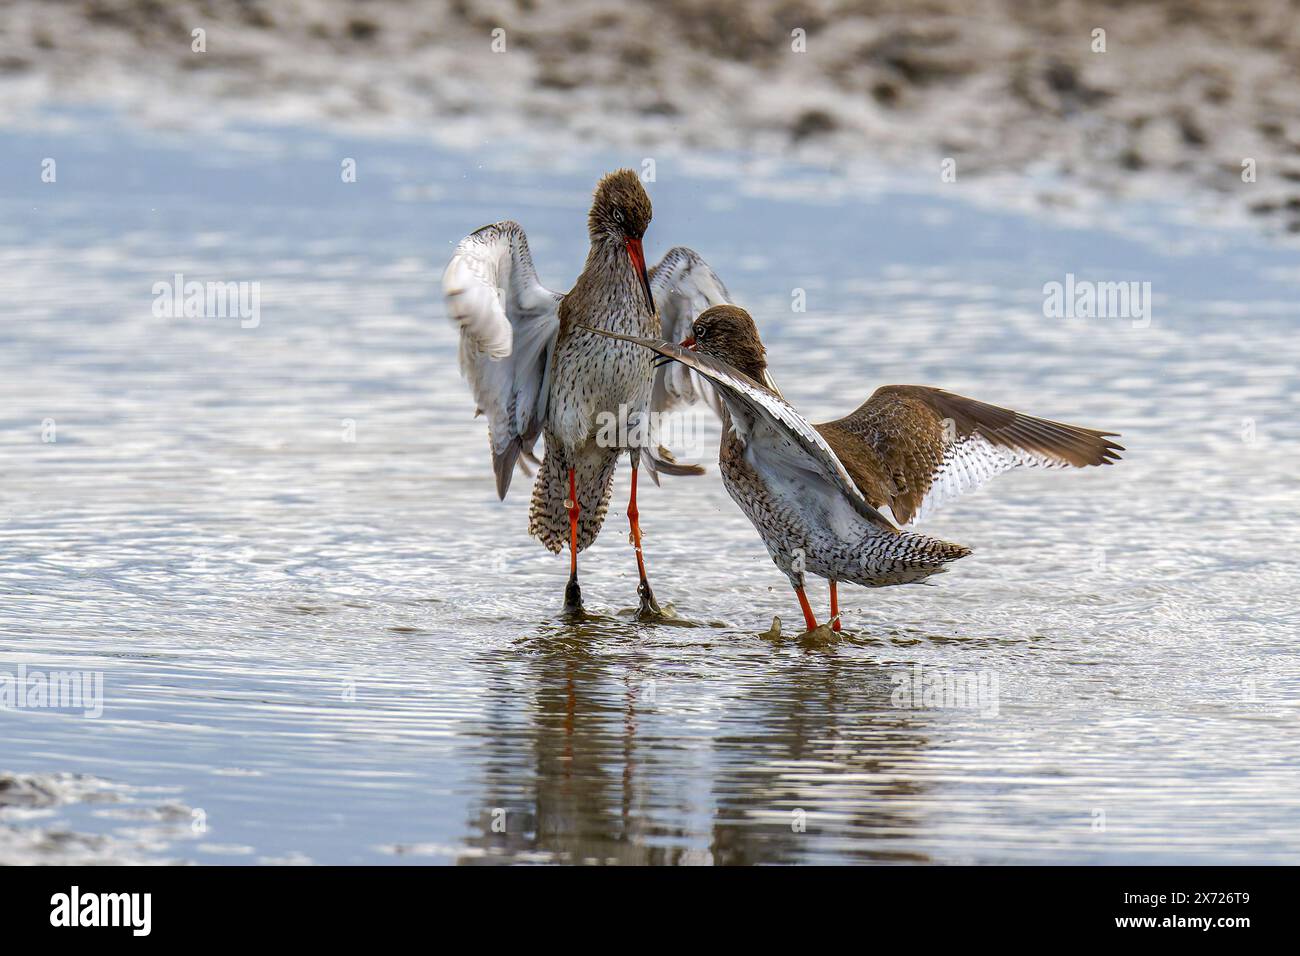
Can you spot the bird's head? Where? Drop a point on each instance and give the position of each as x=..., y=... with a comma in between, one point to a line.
x=727, y=332
x=620, y=208
x=621, y=213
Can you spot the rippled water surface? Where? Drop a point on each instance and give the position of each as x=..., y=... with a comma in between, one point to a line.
x=322, y=638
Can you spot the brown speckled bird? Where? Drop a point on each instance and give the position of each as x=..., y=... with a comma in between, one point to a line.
x=813, y=491
x=534, y=369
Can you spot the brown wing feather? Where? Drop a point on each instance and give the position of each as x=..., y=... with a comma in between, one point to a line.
x=899, y=441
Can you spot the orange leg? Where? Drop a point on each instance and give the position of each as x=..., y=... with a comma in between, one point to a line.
x=572, y=593
x=574, y=510
x=648, y=605
x=835, y=608
x=809, y=621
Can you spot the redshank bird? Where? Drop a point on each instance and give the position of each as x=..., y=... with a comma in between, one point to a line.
x=535, y=369
x=813, y=491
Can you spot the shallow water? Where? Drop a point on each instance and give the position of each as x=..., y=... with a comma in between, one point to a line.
x=322, y=638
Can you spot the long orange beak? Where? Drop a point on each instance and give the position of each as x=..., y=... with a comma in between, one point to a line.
x=688, y=342
x=635, y=253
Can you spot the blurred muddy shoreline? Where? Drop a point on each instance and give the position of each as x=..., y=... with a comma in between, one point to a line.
x=1184, y=92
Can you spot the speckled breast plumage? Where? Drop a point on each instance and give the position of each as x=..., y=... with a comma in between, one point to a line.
x=591, y=377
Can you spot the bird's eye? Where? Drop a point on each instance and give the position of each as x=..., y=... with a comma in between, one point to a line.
x=699, y=331
x=618, y=215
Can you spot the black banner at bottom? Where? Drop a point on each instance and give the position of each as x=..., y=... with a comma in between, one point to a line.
x=334, y=905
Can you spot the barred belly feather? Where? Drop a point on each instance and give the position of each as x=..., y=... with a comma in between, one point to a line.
x=839, y=545
x=548, y=520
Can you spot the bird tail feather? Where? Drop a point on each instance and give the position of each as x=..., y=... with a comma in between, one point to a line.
x=548, y=519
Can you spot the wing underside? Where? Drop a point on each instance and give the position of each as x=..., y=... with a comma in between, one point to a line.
x=508, y=323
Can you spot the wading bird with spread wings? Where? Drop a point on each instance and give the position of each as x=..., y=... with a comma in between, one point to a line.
x=535, y=367
x=812, y=491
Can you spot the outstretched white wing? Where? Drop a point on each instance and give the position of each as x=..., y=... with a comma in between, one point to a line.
x=508, y=322
x=769, y=425
x=683, y=286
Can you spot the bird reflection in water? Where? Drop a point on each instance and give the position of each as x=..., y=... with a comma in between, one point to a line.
x=598, y=752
